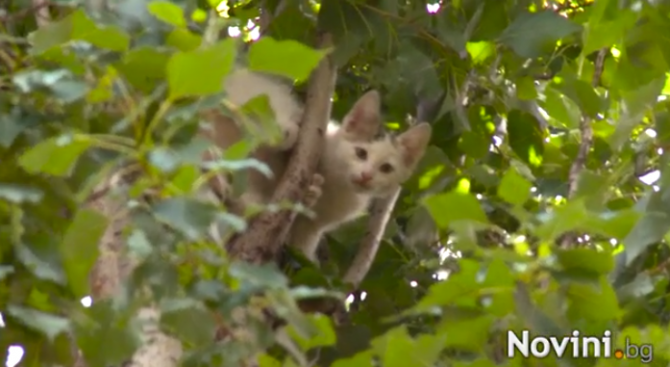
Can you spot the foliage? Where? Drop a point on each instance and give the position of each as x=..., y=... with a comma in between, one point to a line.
x=512, y=80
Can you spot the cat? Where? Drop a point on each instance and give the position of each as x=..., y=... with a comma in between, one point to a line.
x=358, y=163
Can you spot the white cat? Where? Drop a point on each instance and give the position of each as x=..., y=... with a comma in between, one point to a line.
x=357, y=165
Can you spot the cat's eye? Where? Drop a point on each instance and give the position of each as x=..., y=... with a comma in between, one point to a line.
x=386, y=168
x=361, y=153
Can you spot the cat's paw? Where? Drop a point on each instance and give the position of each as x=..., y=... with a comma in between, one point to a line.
x=314, y=190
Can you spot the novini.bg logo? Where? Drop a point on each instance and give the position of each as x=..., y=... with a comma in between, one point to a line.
x=539, y=346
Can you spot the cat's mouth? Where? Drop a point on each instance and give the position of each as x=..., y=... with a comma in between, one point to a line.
x=361, y=185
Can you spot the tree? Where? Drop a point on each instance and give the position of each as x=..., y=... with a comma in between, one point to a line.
x=541, y=204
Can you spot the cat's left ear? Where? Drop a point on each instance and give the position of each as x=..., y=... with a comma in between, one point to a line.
x=364, y=119
x=414, y=142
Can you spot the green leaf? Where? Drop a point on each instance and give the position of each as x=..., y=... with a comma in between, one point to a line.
x=183, y=39
x=360, y=359
x=533, y=317
x=11, y=126
x=79, y=248
x=167, y=12
x=54, y=156
x=581, y=92
x=193, y=218
x=649, y=229
x=288, y=58
x=560, y=108
x=590, y=303
x=165, y=159
x=460, y=289
x=474, y=145
x=466, y=333
x=42, y=266
x=18, y=194
x=78, y=26
x=662, y=127
x=525, y=89
x=585, y=260
x=237, y=165
x=266, y=361
x=62, y=83
x=513, y=188
x=263, y=123
x=563, y=219
x=481, y=362
x=139, y=244
x=266, y=276
x=200, y=72
x=480, y=51
x=397, y=348
x=441, y=208
x=641, y=286
x=49, y=325
x=105, y=326
x=6, y=270
x=532, y=34
x=593, y=188
x=144, y=67
x=525, y=137
x=613, y=224
x=606, y=33
x=190, y=321
x=324, y=337
x=498, y=274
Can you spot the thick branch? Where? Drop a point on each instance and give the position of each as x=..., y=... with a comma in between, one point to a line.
x=42, y=17
x=586, y=131
x=113, y=267
x=380, y=213
x=267, y=232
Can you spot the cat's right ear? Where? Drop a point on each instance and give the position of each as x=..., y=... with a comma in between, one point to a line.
x=364, y=118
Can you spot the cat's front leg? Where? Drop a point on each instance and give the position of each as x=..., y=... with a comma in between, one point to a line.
x=314, y=191
x=305, y=235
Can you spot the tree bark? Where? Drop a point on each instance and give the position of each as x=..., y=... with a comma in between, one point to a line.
x=380, y=213
x=113, y=267
x=586, y=131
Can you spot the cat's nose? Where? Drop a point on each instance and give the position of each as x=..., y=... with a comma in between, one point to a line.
x=365, y=177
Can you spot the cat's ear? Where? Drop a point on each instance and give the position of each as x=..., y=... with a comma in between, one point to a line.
x=414, y=141
x=364, y=118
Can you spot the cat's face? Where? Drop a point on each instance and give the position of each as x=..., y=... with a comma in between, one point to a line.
x=373, y=164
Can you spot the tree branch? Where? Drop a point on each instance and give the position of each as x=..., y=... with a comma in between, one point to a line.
x=42, y=16
x=113, y=266
x=266, y=234
x=380, y=213
x=586, y=131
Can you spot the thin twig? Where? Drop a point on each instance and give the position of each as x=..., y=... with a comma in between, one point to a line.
x=42, y=16
x=38, y=8
x=380, y=213
x=586, y=131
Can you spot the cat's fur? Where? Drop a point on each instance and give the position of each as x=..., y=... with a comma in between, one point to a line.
x=351, y=181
